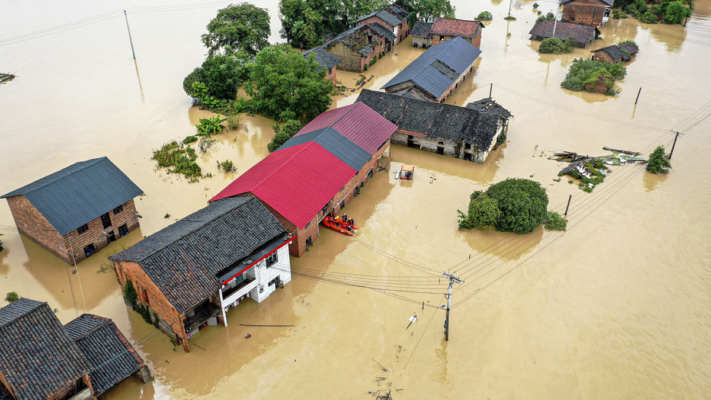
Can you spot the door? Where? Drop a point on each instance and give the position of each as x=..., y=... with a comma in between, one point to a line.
x=111, y=237
x=106, y=220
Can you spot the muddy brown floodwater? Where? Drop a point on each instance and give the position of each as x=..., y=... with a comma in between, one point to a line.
x=616, y=307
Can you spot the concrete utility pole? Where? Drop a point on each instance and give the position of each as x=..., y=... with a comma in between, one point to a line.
x=674, y=145
x=452, y=279
x=510, y=3
x=129, y=34
x=555, y=21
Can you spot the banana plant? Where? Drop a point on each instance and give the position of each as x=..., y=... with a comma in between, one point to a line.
x=211, y=126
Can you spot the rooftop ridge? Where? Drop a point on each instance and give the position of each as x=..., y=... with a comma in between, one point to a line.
x=21, y=316
x=104, y=322
x=90, y=163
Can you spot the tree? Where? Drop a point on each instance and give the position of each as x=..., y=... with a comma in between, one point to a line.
x=676, y=12
x=220, y=74
x=427, y=10
x=283, y=133
x=284, y=85
x=195, y=76
x=658, y=162
x=556, y=46
x=484, y=16
x=300, y=24
x=484, y=212
x=243, y=27
x=523, y=204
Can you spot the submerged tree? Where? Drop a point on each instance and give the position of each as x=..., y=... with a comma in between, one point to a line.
x=658, y=162
x=282, y=133
x=243, y=27
x=427, y=10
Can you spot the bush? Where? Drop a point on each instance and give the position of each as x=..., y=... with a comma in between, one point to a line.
x=676, y=12
x=658, y=162
x=181, y=158
x=365, y=67
x=555, y=222
x=195, y=76
x=630, y=9
x=510, y=18
x=226, y=166
x=234, y=122
x=649, y=18
x=483, y=212
x=500, y=140
x=129, y=292
x=210, y=126
x=12, y=297
x=190, y=139
x=535, y=5
x=585, y=74
x=616, y=14
x=485, y=16
x=1, y=248
x=556, y=46
x=523, y=204
x=641, y=6
x=283, y=133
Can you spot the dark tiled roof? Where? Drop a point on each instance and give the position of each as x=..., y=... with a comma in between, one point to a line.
x=426, y=71
x=323, y=58
x=387, y=34
x=79, y=193
x=184, y=258
x=345, y=38
x=455, y=27
x=38, y=358
x=437, y=121
x=337, y=144
x=111, y=357
x=614, y=52
x=608, y=2
x=489, y=105
x=401, y=12
x=582, y=34
x=421, y=29
x=630, y=47
x=385, y=17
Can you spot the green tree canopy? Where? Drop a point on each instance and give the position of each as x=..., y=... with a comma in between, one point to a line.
x=523, y=204
x=284, y=85
x=484, y=212
x=221, y=75
x=676, y=12
x=283, y=133
x=243, y=27
x=658, y=162
x=427, y=10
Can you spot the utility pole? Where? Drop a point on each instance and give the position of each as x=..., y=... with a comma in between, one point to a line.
x=510, y=3
x=555, y=21
x=638, y=93
x=129, y=34
x=570, y=197
x=491, y=88
x=674, y=145
x=452, y=280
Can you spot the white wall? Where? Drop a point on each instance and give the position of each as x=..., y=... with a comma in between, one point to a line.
x=282, y=269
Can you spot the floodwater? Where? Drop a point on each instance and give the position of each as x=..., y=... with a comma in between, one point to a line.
x=616, y=307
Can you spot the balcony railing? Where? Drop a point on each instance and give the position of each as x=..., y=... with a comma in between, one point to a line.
x=244, y=287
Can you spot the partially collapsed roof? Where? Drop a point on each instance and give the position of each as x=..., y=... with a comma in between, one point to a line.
x=582, y=34
x=323, y=58
x=438, y=67
x=387, y=34
x=489, y=105
x=80, y=193
x=437, y=121
x=183, y=259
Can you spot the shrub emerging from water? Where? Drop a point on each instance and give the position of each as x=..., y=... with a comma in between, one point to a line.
x=211, y=126
x=483, y=212
x=556, y=46
x=283, y=133
x=550, y=17
x=555, y=222
x=510, y=18
x=226, y=166
x=648, y=18
x=234, y=121
x=587, y=74
x=658, y=162
x=181, y=158
x=190, y=139
x=1, y=248
x=12, y=297
x=535, y=5
x=484, y=16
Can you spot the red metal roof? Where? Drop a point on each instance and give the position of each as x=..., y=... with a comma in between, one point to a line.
x=297, y=182
x=358, y=123
x=454, y=27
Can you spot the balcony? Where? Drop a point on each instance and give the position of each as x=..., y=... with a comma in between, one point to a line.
x=201, y=314
x=233, y=294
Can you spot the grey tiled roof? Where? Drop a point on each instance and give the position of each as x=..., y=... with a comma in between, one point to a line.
x=630, y=47
x=184, y=258
x=323, y=58
x=389, y=35
x=581, y=34
x=437, y=121
x=614, y=52
x=79, y=193
x=337, y=144
x=37, y=357
x=489, y=105
x=111, y=357
x=385, y=16
x=421, y=29
x=401, y=12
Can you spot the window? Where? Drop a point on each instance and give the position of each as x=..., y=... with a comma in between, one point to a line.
x=330, y=71
x=343, y=204
x=272, y=259
x=111, y=237
x=89, y=250
x=83, y=228
x=123, y=230
x=370, y=173
x=118, y=209
x=441, y=38
x=106, y=220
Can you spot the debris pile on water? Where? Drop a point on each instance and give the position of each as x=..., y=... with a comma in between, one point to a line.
x=591, y=171
x=6, y=77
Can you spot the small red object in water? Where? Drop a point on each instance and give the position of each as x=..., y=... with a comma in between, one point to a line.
x=247, y=336
x=339, y=225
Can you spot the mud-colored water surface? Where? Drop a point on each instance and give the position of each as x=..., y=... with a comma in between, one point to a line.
x=616, y=307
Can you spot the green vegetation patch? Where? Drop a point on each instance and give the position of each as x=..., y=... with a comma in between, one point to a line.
x=555, y=222
x=658, y=162
x=593, y=76
x=485, y=16
x=12, y=297
x=556, y=46
x=282, y=133
x=181, y=158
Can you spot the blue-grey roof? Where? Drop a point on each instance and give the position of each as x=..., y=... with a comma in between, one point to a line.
x=323, y=58
x=385, y=16
x=183, y=259
x=338, y=145
x=383, y=31
x=437, y=68
x=79, y=193
x=421, y=29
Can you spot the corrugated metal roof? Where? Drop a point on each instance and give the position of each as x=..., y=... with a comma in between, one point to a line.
x=80, y=193
x=297, y=182
x=457, y=54
x=331, y=140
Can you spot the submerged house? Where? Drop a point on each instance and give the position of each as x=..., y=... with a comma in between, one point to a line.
x=326, y=61
x=468, y=133
x=318, y=171
x=615, y=53
x=426, y=34
x=75, y=212
x=586, y=12
x=581, y=35
x=356, y=47
x=191, y=272
x=392, y=18
x=437, y=72
x=41, y=359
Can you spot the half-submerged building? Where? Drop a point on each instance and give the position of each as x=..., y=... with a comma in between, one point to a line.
x=468, y=133
x=427, y=34
x=41, y=359
x=190, y=273
x=392, y=18
x=437, y=72
x=75, y=212
x=581, y=35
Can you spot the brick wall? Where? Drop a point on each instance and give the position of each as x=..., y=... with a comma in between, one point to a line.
x=31, y=223
x=351, y=60
x=172, y=320
x=332, y=75
x=421, y=42
x=583, y=14
x=602, y=56
x=476, y=41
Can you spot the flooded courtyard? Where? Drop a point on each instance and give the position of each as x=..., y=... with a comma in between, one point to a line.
x=616, y=307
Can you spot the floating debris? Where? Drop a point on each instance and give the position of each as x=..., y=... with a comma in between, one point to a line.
x=4, y=78
x=591, y=171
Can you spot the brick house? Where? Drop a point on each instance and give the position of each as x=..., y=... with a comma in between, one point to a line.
x=191, y=272
x=586, y=12
x=393, y=18
x=581, y=35
x=325, y=61
x=443, y=29
x=615, y=53
x=468, y=133
x=437, y=72
x=356, y=47
x=41, y=359
x=318, y=171
x=78, y=210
